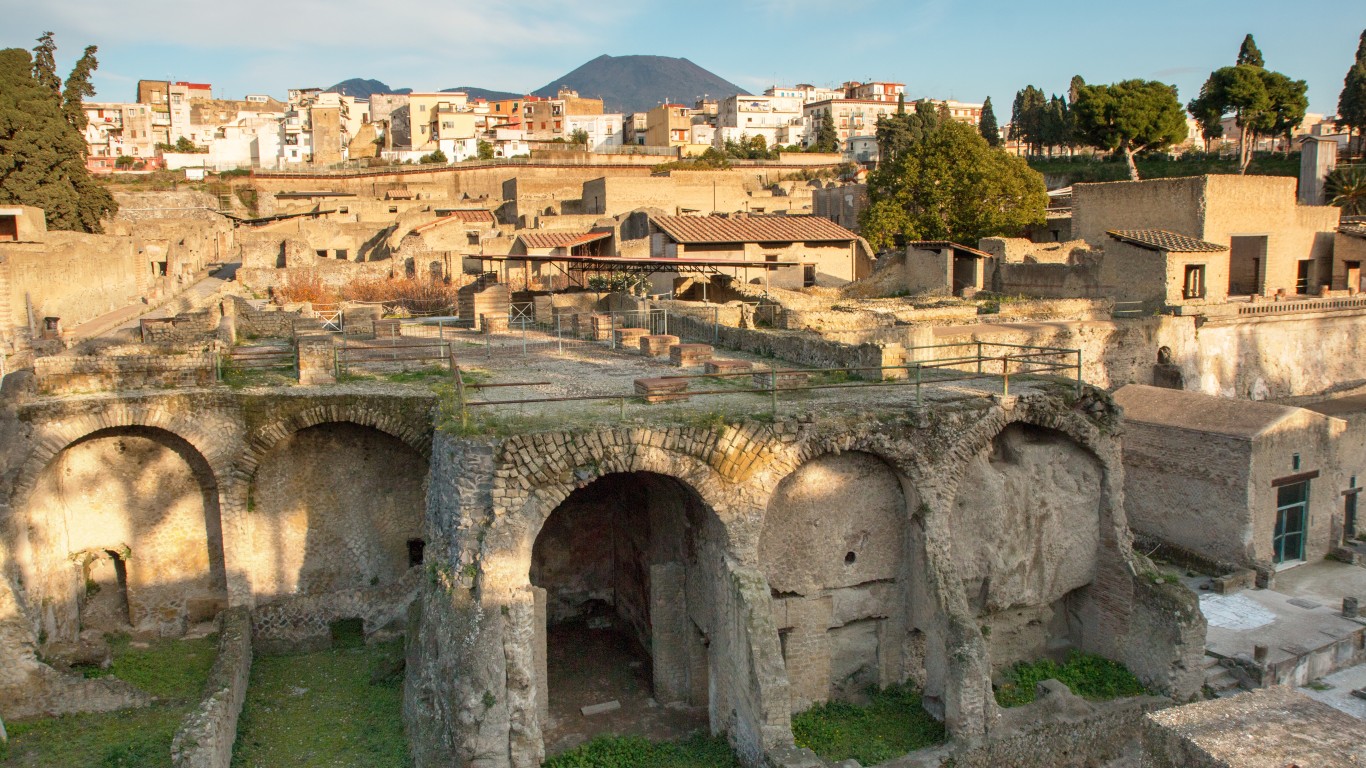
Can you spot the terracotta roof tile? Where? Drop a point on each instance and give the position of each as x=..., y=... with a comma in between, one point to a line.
x=560, y=239
x=1162, y=240
x=753, y=229
x=1353, y=229
x=465, y=217
x=941, y=244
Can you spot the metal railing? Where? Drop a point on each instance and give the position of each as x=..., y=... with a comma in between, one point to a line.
x=990, y=360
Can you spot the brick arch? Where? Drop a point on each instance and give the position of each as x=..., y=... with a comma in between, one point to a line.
x=214, y=447
x=262, y=439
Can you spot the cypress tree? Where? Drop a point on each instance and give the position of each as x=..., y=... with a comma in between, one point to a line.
x=987, y=125
x=1249, y=54
x=1352, y=100
x=42, y=156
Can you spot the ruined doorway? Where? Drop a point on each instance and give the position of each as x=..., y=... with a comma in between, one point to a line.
x=1302, y=277
x=612, y=569
x=1247, y=254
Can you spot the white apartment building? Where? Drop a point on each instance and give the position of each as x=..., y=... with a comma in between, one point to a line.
x=772, y=117
x=604, y=131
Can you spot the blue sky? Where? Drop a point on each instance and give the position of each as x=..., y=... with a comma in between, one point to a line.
x=939, y=48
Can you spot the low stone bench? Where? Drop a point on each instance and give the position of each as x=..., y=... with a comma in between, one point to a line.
x=628, y=338
x=690, y=355
x=657, y=345
x=662, y=390
x=493, y=323
x=786, y=379
x=728, y=366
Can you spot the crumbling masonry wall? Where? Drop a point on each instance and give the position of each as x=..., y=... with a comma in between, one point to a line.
x=474, y=694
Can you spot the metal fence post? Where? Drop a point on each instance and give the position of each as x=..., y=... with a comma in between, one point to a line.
x=1005, y=376
x=773, y=388
x=559, y=334
x=523, y=339
x=979, y=358
x=918, y=401
x=1079, y=373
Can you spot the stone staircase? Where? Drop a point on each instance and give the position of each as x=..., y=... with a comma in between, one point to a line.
x=1219, y=678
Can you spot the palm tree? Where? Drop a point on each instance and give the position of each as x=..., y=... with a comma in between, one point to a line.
x=1346, y=188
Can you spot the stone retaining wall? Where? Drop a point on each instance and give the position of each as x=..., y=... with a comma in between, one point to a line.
x=62, y=375
x=207, y=734
x=303, y=623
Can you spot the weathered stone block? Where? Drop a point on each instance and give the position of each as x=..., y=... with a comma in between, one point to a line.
x=786, y=379
x=728, y=366
x=629, y=338
x=317, y=360
x=493, y=323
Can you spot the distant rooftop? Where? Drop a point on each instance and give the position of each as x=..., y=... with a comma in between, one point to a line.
x=753, y=229
x=1200, y=413
x=560, y=239
x=1162, y=240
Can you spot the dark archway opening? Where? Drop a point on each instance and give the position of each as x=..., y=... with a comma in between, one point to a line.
x=612, y=567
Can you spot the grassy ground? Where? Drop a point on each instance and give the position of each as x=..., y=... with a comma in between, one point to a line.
x=891, y=725
x=172, y=670
x=1083, y=169
x=700, y=751
x=339, y=708
x=1085, y=674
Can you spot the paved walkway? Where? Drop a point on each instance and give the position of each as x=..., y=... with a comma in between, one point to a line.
x=1339, y=696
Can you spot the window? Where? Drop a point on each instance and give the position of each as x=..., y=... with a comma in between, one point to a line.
x=1349, y=509
x=321, y=254
x=808, y=275
x=343, y=209
x=1292, y=521
x=1193, y=287
x=341, y=254
x=393, y=209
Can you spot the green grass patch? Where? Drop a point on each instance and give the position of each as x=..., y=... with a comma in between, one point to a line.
x=697, y=751
x=172, y=670
x=420, y=374
x=337, y=708
x=891, y=725
x=1085, y=674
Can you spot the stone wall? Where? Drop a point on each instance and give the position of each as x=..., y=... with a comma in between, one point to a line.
x=303, y=623
x=206, y=735
x=475, y=692
x=70, y=374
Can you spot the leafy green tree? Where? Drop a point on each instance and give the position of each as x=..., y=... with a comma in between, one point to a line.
x=949, y=184
x=78, y=87
x=579, y=136
x=1249, y=54
x=1132, y=116
x=987, y=125
x=1261, y=102
x=184, y=145
x=1352, y=100
x=485, y=150
x=1056, y=125
x=42, y=156
x=827, y=140
x=437, y=156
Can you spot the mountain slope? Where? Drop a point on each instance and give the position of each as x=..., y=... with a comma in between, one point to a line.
x=483, y=93
x=361, y=88
x=640, y=83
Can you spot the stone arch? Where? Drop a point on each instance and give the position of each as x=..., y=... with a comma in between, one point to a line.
x=125, y=515
x=332, y=505
x=413, y=432
x=1035, y=534
x=834, y=551
x=737, y=697
x=213, y=438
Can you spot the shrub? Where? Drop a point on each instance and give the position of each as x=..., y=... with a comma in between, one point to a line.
x=414, y=295
x=304, y=285
x=697, y=751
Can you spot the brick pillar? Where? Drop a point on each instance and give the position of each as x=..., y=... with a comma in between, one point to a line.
x=317, y=360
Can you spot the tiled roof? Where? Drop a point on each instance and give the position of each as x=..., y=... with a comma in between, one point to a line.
x=560, y=239
x=1162, y=240
x=941, y=244
x=1355, y=230
x=465, y=217
x=753, y=229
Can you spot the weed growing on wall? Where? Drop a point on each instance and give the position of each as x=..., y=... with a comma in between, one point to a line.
x=1085, y=674
x=892, y=724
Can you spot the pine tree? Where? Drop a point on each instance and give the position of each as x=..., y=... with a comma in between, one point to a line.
x=45, y=63
x=78, y=87
x=42, y=156
x=1248, y=53
x=987, y=125
x=1352, y=100
x=826, y=138
x=1129, y=117
x=1262, y=102
x=1026, y=119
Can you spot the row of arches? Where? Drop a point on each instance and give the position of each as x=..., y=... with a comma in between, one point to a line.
x=627, y=572
x=130, y=528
